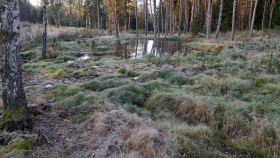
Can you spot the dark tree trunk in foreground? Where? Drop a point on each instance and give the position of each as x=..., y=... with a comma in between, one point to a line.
x=136, y=15
x=15, y=114
x=220, y=19
x=253, y=19
x=233, y=20
x=45, y=22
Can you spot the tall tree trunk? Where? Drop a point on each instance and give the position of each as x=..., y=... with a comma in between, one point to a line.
x=271, y=13
x=162, y=24
x=79, y=13
x=208, y=26
x=152, y=14
x=136, y=15
x=114, y=12
x=240, y=14
x=166, y=16
x=186, y=23
x=45, y=22
x=155, y=19
x=116, y=19
x=146, y=17
x=98, y=15
x=193, y=12
x=253, y=19
x=15, y=114
x=136, y=49
x=70, y=13
x=220, y=19
x=180, y=16
x=206, y=13
x=158, y=15
x=125, y=20
x=171, y=17
x=250, y=14
x=264, y=12
x=129, y=21
x=233, y=20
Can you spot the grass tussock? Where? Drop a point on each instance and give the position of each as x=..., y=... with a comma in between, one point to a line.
x=58, y=74
x=169, y=105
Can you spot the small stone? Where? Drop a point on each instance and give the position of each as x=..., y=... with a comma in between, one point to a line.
x=51, y=101
x=94, y=67
x=48, y=86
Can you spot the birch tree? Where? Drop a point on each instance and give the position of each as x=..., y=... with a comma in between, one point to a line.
x=15, y=114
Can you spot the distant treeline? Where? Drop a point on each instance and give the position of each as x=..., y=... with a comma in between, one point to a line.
x=94, y=13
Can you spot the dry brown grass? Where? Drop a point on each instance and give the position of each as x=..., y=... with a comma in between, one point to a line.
x=33, y=32
x=194, y=111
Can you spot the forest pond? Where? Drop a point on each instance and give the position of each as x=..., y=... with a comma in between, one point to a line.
x=135, y=48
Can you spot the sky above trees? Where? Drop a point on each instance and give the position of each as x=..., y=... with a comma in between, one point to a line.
x=35, y=2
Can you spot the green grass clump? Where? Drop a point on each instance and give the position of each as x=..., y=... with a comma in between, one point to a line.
x=96, y=85
x=229, y=84
x=171, y=75
x=72, y=90
x=156, y=85
x=31, y=68
x=69, y=104
x=149, y=76
x=122, y=70
x=131, y=94
x=129, y=73
x=66, y=58
x=191, y=150
x=58, y=74
x=110, y=76
x=62, y=90
x=93, y=44
x=163, y=101
x=49, y=69
x=174, y=76
x=265, y=79
x=93, y=85
x=59, y=90
x=102, y=49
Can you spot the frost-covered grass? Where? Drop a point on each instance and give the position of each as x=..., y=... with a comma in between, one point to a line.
x=168, y=106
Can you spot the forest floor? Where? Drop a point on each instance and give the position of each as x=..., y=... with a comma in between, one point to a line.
x=220, y=99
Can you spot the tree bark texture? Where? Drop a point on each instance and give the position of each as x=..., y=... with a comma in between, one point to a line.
x=15, y=115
